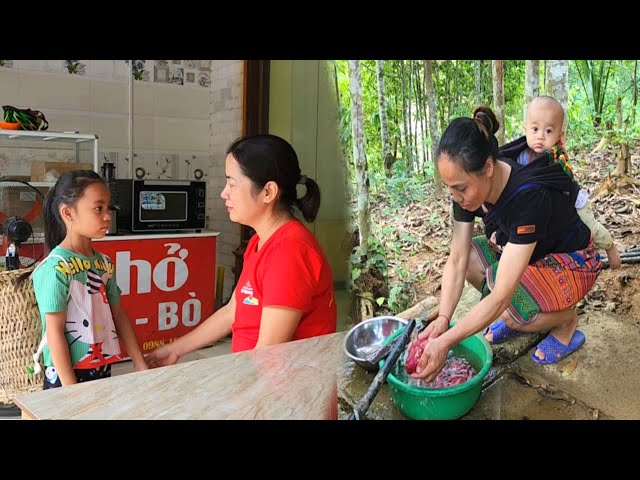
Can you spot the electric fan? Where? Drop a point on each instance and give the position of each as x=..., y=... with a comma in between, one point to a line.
x=21, y=224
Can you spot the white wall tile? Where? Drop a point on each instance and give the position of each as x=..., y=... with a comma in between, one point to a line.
x=37, y=65
x=42, y=92
x=60, y=121
x=9, y=86
x=143, y=133
x=113, y=132
x=181, y=134
x=109, y=97
x=169, y=100
x=189, y=163
x=53, y=66
x=121, y=70
x=143, y=98
x=101, y=69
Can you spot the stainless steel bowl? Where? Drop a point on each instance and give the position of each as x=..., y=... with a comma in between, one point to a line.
x=367, y=337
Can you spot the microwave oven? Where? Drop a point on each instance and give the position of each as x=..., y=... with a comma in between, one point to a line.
x=159, y=205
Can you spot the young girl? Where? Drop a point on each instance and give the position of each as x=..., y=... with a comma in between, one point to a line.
x=76, y=289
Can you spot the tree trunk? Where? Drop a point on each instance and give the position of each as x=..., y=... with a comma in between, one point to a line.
x=412, y=136
x=531, y=82
x=384, y=128
x=433, y=123
x=478, y=78
x=396, y=114
x=413, y=117
x=343, y=149
x=421, y=107
x=635, y=103
x=622, y=167
x=557, y=84
x=408, y=114
x=635, y=93
x=447, y=91
x=497, y=70
x=406, y=144
x=359, y=156
x=437, y=74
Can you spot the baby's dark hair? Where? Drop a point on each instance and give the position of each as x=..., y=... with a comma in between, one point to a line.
x=265, y=158
x=469, y=142
x=68, y=190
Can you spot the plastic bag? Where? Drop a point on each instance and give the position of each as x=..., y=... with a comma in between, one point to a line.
x=27, y=118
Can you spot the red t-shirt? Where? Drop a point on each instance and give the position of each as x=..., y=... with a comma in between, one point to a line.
x=289, y=270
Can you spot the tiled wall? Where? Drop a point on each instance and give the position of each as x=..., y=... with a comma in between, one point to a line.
x=171, y=106
x=185, y=114
x=175, y=72
x=226, y=126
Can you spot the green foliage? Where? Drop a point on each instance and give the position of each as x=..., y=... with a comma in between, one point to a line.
x=580, y=133
x=403, y=187
x=376, y=258
x=594, y=87
x=514, y=77
x=594, y=77
x=398, y=299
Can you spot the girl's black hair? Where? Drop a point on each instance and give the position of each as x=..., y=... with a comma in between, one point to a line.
x=469, y=142
x=264, y=158
x=68, y=190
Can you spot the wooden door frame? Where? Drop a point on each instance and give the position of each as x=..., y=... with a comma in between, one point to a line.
x=255, y=105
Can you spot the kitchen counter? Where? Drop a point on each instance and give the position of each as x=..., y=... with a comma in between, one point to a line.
x=155, y=236
x=294, y=380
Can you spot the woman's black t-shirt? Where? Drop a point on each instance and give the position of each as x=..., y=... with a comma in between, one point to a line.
x=536, y=205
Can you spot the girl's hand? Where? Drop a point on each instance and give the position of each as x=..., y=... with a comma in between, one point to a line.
x=161, y=357
x=140, y=366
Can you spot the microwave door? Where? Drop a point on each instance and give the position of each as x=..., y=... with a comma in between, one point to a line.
x=166, y=205
x=163, y=206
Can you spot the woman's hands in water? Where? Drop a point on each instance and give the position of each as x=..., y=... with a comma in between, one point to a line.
x=435, y=328
x=432, y=360
x=161, y=357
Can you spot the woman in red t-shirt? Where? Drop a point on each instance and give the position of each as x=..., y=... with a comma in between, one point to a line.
x=285, y=291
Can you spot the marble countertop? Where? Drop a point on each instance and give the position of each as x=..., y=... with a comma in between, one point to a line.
x=156, y=236
x=294, y=380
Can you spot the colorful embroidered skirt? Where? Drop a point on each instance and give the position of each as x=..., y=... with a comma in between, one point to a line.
x=554, y=283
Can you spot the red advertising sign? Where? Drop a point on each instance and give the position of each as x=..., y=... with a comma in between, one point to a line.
x=167, y=282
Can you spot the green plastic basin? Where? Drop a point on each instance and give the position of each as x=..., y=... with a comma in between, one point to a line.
x=443, y=403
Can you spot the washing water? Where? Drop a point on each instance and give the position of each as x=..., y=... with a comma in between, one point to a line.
x=457, y=370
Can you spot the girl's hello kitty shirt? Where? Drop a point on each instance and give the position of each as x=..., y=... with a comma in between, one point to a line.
x=84, y=287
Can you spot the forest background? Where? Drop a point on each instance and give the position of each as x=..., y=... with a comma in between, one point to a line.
x=392, y=113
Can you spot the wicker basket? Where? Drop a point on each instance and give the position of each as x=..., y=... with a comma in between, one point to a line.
x=20, y=333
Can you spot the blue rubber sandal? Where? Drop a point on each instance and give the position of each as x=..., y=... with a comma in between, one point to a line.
x=554, y=350
x=501, y=332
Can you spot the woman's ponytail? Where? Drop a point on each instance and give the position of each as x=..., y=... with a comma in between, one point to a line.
x=309, y=204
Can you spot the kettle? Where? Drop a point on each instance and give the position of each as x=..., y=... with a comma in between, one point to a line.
x=113, y=226
x=108, y=171
x=108, y=174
